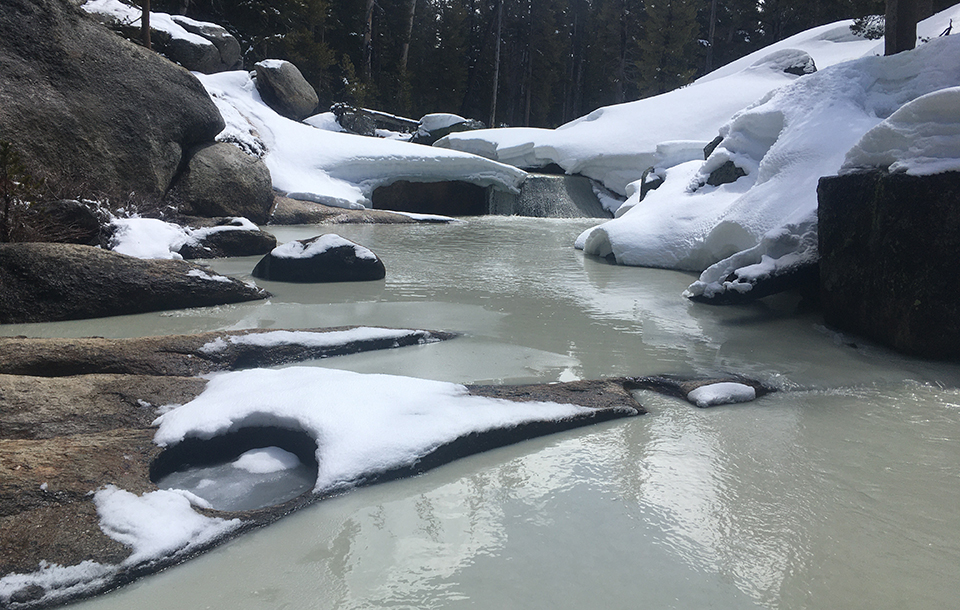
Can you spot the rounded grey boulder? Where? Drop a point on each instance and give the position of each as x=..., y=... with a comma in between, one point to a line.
x=283, y=88
x=222, y=180
x=325, y=258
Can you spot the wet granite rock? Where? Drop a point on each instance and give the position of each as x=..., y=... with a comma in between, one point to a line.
x=325, y=258
x=63, y=437
x=681, y=387
x=48, y=282
x=888, y=268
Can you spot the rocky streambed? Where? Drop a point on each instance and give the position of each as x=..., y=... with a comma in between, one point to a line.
x=77, y=416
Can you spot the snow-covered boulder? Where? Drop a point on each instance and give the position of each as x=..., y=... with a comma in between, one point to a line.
x=50, y=282
x=283, y=88
x=437, y=125
x=196, y=45
x=222, y=180
x=325, y=258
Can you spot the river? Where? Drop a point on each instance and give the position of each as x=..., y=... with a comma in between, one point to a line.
x=842, y=490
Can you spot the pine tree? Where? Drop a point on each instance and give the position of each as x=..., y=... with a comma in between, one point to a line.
x=668, y=48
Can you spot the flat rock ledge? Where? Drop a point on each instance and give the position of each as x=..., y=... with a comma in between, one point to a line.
x=76, y=415
x=47, y=282
x=287, y=211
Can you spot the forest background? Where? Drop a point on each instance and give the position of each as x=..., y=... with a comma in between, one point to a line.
x=556, y=59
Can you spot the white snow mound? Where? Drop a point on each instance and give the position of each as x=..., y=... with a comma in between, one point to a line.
x=363, y=424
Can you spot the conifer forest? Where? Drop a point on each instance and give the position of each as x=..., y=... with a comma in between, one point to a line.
x=551, y=60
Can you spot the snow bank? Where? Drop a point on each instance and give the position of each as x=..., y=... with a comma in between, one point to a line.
x=337, y=168
x=921, y=138
x=615, y=144
x=363, y=424
x=765, y=222
x=153, y=238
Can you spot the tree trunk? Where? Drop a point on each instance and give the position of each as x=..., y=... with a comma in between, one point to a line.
x=496, y=65
x=368, y=42
x=710, y=35
x=405, y=51
x=900, y=33
x=145, y=23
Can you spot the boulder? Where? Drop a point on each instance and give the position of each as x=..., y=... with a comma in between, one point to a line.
x=48, y=282
x=283, y=88
x=222, y=180
x=79, y=103
x=226, y=237
x=435, y=126
x=888, y=269
x=325, y=258
x=227, y=46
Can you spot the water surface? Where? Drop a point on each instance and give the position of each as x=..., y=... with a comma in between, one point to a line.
x=840, y=491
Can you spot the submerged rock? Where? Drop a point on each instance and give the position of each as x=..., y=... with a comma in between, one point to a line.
x=325, y=258
x=702, y=392
x=49, y=282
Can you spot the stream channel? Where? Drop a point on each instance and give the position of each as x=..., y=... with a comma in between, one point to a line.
x=842, y=490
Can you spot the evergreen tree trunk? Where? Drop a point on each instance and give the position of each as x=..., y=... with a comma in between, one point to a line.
x=368, y=42
x=496, y=65
x=710, y=35
x=405, y=52
x=900, y=33
x=145, y=23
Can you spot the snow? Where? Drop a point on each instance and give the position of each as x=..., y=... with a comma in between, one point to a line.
x=266, y=460
x=921, y=138
x=206, y=276
x=57, y=581
x=615, y=144
x=330, y=338
x=325, y=120
x=765, y=222
x=338, y=168
x=723, y=393
x=153, y=238
x=363, y=424
x=328, y=241
x=157, y=524
x=161, y=22
x=439, y=120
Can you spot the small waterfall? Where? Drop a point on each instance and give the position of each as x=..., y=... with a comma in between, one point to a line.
x=549, y=196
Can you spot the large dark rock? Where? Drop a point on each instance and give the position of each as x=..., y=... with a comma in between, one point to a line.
x=888, y=259
x=48, y=282
x=452, y=198
x=80, y=103
x=222, y=180
x=283, y=88
x=325, y=258
x=227, y=237
x=228, y=48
